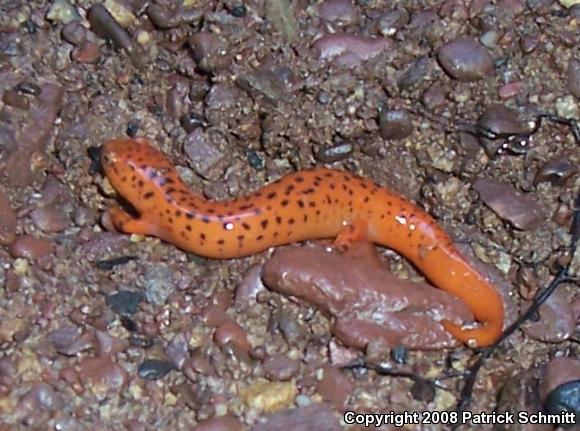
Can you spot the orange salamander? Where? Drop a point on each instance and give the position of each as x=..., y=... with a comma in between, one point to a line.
x=311, y=204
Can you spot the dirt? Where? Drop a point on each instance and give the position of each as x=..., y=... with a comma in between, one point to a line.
x=100, y=330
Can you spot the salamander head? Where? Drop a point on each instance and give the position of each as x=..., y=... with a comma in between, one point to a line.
x=136, y=170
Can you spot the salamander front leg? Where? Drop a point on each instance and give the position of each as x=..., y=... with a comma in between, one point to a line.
x=352, y=233
x=126, y=223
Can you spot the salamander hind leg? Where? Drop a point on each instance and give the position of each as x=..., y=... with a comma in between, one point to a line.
x=352, y=233
x=126, y=223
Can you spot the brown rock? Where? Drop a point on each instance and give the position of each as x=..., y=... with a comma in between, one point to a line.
x=335, y=387
x=395, y=311
x=249, y=287
x=7, y=221
x=521, y=211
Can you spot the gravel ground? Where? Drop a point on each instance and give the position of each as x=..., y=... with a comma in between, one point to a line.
x=100, y=330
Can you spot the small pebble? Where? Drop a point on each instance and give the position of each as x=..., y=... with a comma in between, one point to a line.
x=280, y=367
x=556, y=172
x=269, y=396
x=7, y=221
x=395, y=125
x=102, y=375
x=334, y=153
x=125, y=302
x=465, y=59
x=154, y=369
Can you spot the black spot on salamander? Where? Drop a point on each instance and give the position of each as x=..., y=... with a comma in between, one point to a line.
x=291, y=220
x=328, y=199
x=305, y=218
x=271, y=195
x=258, y=211
x=124, y=179
x=298, y=178
x=318, y=178
x=350, y=192
x=344, y=187
x=170, y=219
x=258, y=194
x=284, y=203
x=148, y=195
x=211, y=211
x=246, y=226
x=202, y=236
x=316, y=183
x=221, y=241
x=300, y=203
x=389, y=203
x=133, y=178
x=264, y=224
x=278, y=219
x=275, y=234
x=317, y=212
x=190, y=215
x=169, y=180
x=328, y=174
x=332, y=186
x=230, y=213
x=183, y=235
x=309, y=191
x=366, y=199
x=177, y=213
x=240, y=237
x=188, y=228
x=140, y=183
x=289, y=189
x=364, y=185
x=346, y=177
x=312, y=204
x=260, y=237
x=269, y=207
x=246, y=207
x=205, y=219
x=170, y=190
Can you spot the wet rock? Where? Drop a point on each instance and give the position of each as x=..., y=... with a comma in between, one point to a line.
x=8, y=221
x=69, y=341
x=125, y=302
x=102, y=375
x=223, y=423
x=557, y=320
x=105, y=25
x=209, y=52
x=510, y=90
x=38, y=250
x=154, y=369
x=249, y=287
x=316, y=416
x=574, y=77
x=231, y=333
x=74, y=32
x=293, y=331
x=556, y=172
x=158, y=283
x=335, y=387
x=395, y=125
x=280, y=367
x=521, y=211
x=350, y=49
x=271, y=83
x=202, y=154
x=565, y=400
x=191, y=121
x=465, y=59
x=269, y=396
x=498, y=120
x=395, y=311
x=341, y=12
x=334, y=153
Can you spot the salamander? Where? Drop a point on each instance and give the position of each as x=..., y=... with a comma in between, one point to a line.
x=311, y=204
